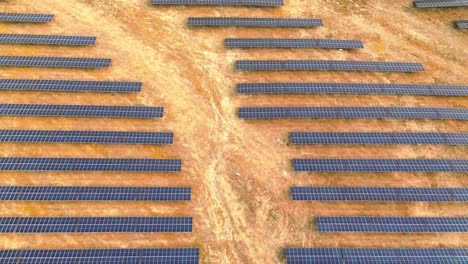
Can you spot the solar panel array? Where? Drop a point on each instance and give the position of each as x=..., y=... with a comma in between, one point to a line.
x=69, y=86
x=331, y=138
x=57, y=62
x=220, y=2
x=87, y=164
x=327, y=65
x=95, y=224
x=88, y=256
x=376, y=255
x=254, y=22
x=379, y=194
x=462, y=23
x=353, y=112
x=77, y=193
x=107, y=137
x=292, y=43
x=351, y=88
x=25, y=18
x=391, y=224
x=80, y=111
x=46, y=39
x=380, y=165
x=440, y=3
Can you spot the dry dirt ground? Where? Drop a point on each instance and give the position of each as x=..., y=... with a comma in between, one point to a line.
x=240, y=170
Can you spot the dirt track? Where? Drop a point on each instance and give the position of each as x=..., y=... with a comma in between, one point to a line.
x=240, y=171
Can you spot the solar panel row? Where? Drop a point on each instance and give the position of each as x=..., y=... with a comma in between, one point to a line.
x=266, y=3
x=380, y=165
x=351, y=88
x=327, y=65
x=25, y=18
x=331, y=138
x=353, y=112
x=108, y=137
x=88, y=256
x=80, y=111
x=391, y=224
x=78, y=193
x=440, y=3
x=46, y=39
x=292, y=43
x=88, y=164
x=379, y=194
x=462, y=24
x=57, y=62
x=69, y=86
x=254, y=22
x=95, y=224
x=376, y=255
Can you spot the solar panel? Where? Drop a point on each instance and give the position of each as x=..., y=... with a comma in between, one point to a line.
x=352, y=112
x=46, y=39
x=77, y=193
x=378, y=138
x=292, y=43
x=391, y=224
x=462, y=24
x=254, y=22
x=25, y=18
x=95, y=224
x=327, y=65
x=265, y=3
x=103, y=137
x=440, y=3
x=86, y=164
x=379, y=194
x=69, y=86
x=80, y=110
x=88, y=256
x=352, y=88
x=56, y=62
x=380, y=165
x=376, y=255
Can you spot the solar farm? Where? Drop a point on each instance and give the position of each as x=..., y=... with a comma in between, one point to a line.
x=233, y=131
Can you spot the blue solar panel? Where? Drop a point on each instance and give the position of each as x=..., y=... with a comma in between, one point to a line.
x=379, y=194
x=331, y=138
x=46, y=40
x=56, y=62
x=254, y=22
x=380, y=165
x=80, y=111
x=101, y=137
x=262, y=3
x=462, y=24
x=352, y=88
x=77, y=164
x=440, y=3
x=76, y=193
x=391, y=224
x=95, y=224
x=88, y=256
x=25, y=18
x=69, y=86
x=292, y=43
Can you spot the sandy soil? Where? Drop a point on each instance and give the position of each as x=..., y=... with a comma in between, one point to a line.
x=240, y=170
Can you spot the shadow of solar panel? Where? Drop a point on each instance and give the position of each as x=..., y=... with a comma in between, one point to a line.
x=379, y=194
x=378, y=138
x=46, y=39
x=72, y=193
x=380, y=165
x=462, y=24
x=391, y=224
x=330, y=65
x=351, y=88
x=86, y=164
x=440, y=3
x=25, y=18
x=80, y=111
x=352, y=112
x=102, y=137
x=55, y=62
x=95, y=224
x=69, y=86
x=292, y=43
x=88, y=256
x=254, y=22
x=266, y=3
